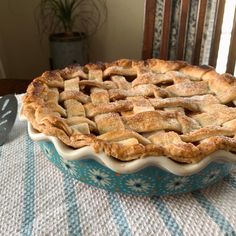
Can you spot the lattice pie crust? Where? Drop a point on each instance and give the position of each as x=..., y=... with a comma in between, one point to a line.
x=133, y=109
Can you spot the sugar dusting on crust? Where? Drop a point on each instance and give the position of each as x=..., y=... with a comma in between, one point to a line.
x=169, y=100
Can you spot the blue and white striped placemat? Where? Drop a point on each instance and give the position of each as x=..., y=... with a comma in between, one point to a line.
x=37, y=199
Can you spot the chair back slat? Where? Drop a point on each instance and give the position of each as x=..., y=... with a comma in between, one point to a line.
x=149, y=27
x=183, y=20
x=232, y=48
x=190, y=43
x=165, y=37
x=199, y=31
x=217, y=32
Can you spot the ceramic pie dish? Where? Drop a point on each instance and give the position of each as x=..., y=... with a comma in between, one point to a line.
x=142, y=127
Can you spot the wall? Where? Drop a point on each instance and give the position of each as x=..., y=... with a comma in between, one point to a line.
x=24, y=57
x=122, y=35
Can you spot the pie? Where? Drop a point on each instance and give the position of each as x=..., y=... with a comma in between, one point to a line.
x=134, y=109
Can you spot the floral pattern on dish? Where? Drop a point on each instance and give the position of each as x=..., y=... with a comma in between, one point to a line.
x=69, y=167
x=48, y=151
x=147, y=182
x=177, y=183
x=138, y=185
x=99, y=177
x=213, y=175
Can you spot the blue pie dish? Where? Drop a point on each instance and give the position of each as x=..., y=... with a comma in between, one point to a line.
x=148, y=176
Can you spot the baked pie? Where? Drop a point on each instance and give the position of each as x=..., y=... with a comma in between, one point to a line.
x=134, y=109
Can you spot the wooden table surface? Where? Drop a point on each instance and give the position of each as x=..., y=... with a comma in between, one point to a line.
x=8, y=86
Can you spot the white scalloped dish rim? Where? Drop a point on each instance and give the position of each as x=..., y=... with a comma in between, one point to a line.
x=133, y=166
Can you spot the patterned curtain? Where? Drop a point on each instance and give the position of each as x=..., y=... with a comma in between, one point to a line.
x=191, y=29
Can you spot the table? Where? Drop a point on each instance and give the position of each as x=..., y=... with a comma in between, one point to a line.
x=8, y=86
x=37, y=199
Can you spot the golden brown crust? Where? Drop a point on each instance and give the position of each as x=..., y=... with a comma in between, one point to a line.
x=133, y=109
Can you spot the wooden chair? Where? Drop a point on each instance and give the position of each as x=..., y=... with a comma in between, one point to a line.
x=181, y=34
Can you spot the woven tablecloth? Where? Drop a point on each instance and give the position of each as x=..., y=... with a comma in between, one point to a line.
x=37, y=199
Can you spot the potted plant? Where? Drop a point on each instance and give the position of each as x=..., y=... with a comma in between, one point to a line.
x=69, y=23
